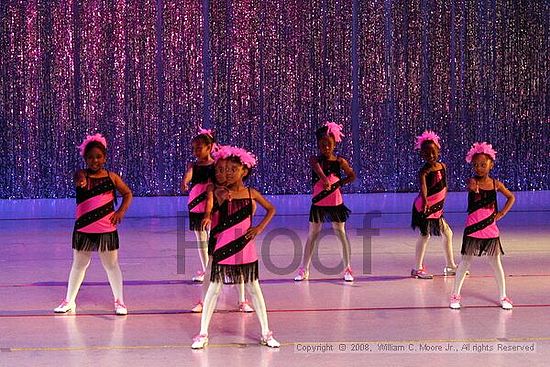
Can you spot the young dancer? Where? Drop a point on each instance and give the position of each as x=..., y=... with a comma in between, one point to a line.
x=427, y=211
x=199, y=176
x=234, y=259
x=481, y=235
x=327, y=203
x=211, y=220
x=96, y=222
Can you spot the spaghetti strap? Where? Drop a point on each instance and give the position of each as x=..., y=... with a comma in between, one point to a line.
x=496, y=201
x=250, y=198
x=115, y=199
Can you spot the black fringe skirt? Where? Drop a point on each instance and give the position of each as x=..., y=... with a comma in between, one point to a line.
x=195, y=220
x=234, y=274
x=339, y=213
x=481, y=246
x=426, y=226
x=95, y=241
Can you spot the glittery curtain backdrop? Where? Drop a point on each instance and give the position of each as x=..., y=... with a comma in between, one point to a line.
x=280, y=69
x=265, y=75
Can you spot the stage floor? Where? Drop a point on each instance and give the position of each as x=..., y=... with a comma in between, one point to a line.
x=383, y=318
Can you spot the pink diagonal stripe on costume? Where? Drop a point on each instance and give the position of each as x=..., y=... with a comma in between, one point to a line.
x=245, y=256
x=334, y=198
x=437, y=197
x=491, y=231
x=102, y=225
x=433, y=199
x=93, y=203
x=196, y=191
x=436, y=215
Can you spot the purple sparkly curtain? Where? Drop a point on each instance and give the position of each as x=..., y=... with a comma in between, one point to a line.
x=264, y=75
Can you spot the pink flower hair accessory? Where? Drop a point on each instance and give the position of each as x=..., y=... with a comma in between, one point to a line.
x=89, y=138
x=427, y=135
x=335, y=129
x=219, y=151
x=247, y=159
x=208, y=132
x=479, y=148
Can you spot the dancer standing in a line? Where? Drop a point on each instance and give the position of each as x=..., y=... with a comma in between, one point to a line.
x=234, y=259
x=327, y=203
x=211, y=219
x=199, y=176
x=481, y=235
x=427, y=211
x=96, y=222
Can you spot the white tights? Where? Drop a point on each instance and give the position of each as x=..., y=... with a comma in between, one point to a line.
x=496, y=264
x=81, y=261
x=312, y=239
x=422, y=243
x=202, y=242
x=212, y=298
x=206, y=283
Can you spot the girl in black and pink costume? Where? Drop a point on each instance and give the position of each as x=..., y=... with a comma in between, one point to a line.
x=427, y=211
x=95, y=228
x=327, y=202
x=210, y=219
x=481, y=234
x=234, y=257
x=198, y=176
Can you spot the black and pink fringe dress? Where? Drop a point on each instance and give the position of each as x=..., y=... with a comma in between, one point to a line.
x=328, y=205
x=234, y=259
x=430, y=223
x=481, y=235
x=93, y=230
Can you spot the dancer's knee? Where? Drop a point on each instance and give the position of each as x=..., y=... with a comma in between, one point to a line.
x=81, y=265
x=495, y=261
x=252, y=288
x=109, y=260
x=215, y=288
x=425, y=238
x=81, y=261
x=313, y=235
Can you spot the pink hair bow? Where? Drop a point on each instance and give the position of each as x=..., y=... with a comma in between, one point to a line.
x=336, y=130
x=208, y=132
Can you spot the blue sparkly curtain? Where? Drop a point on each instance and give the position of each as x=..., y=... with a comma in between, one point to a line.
x=265, y=75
